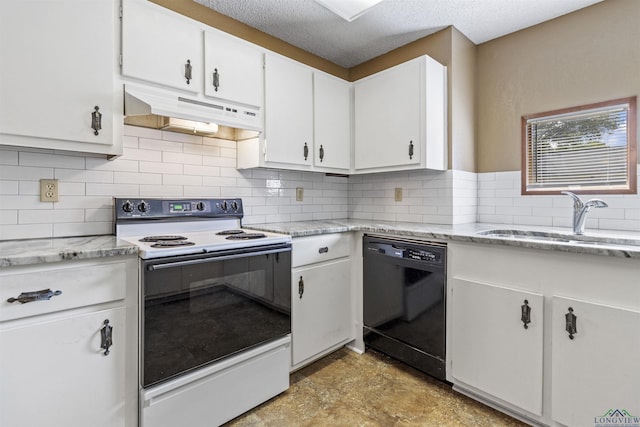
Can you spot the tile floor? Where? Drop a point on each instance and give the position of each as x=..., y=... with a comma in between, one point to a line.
x=348, y=389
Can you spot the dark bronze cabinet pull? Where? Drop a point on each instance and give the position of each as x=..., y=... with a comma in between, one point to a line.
x=106, y=337
x=42, y=295
x=410, y=150
x=96, y=120
x=300, y=287
x=187, y=71
x=571, y=325
x=305, y=151
x=216, y=79
x=526, y=314
x=321, y=153
x=323, y=250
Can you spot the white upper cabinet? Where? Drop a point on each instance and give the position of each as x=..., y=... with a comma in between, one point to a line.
x=307, y=120
x=288, y=112
x=400, y=120
x=160, y=46
x=58, y=75
x=233, y=69
x=332, y=123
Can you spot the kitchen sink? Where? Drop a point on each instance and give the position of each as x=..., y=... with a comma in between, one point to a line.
x=554, y=237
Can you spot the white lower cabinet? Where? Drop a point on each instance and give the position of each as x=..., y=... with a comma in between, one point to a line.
x=70, y=360
x=493, y=350
x=602, y=354
x=60, y=376
x=321, y=309
x=560, y=370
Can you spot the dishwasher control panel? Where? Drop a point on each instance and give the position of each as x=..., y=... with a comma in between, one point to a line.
x=420, y=255
x=415, y=252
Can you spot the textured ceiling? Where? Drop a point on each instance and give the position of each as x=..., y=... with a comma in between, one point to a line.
x=389, y=24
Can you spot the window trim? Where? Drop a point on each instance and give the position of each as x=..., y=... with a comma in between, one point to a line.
x=632, y=152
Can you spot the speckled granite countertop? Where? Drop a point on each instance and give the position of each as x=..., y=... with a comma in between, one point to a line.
x=40, y=251
x=462, y=232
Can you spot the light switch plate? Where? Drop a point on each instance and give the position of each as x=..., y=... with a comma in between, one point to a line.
x=48, y=190
x=299, y=194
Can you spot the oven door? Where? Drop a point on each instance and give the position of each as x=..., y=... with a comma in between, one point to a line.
x=201, y=309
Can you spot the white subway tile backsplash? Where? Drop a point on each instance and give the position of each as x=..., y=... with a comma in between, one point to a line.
x=25, y=172
x=162, y=164
x=8, y=157
x=9, y=187
x=27, y=216
x=137, y=178
x=30, y=231
x=82, y=228
x=26, y=158
x=120, y=164
x=158, y=167
x=9, y=216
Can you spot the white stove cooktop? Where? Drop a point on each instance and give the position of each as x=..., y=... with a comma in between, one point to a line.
x=203, y=242
x=198, y=220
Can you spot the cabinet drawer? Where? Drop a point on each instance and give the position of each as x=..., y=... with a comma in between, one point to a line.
x=79, y=286
x=313, y=249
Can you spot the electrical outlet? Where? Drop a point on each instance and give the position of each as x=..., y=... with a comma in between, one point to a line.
x=299, y=194
x=398, y=195
x=48, y=190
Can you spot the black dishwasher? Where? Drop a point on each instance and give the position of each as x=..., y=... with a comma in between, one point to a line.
x=404, y=301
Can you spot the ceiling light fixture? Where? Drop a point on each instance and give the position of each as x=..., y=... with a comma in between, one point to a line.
x=348, y=10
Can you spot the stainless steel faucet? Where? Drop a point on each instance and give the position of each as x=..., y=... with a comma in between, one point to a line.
x=580, y=210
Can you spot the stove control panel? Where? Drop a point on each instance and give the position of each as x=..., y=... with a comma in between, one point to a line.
x=138, y=208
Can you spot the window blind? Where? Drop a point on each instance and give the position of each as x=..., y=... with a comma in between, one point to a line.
x=579, y=150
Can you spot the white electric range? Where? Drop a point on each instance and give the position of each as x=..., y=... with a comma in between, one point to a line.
x=215, y=304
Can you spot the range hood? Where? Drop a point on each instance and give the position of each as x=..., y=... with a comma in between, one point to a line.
x=164, y=109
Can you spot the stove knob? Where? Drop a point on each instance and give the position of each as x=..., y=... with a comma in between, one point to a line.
x=127, y=207
x=143, y=206
x=200, y=206
x=234, y=205
x=224, y=205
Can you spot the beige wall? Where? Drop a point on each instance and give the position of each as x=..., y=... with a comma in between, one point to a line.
x=588, y=56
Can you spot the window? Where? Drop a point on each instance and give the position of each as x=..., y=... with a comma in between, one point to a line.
x=586, y=149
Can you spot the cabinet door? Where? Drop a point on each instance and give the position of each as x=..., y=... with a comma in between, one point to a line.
x=54, y=372
x=332, y=125
x=288, y=111
x=56, y=66
x=320, y=308
x=388, y=111
x=233, y=69
x=158, y=45
x=597, y=372
x=491, y=350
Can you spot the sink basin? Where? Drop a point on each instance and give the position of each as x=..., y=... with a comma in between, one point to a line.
x=545, y=236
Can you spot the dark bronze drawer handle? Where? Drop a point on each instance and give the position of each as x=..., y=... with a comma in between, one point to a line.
x=106, y=337
x=571, y=323
x=323, y=250
x=300, y=287
x=526, y=314
x=96, y=120
x=31, y=296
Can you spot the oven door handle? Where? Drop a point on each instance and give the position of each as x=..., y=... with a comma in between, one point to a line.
x=153, y=267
